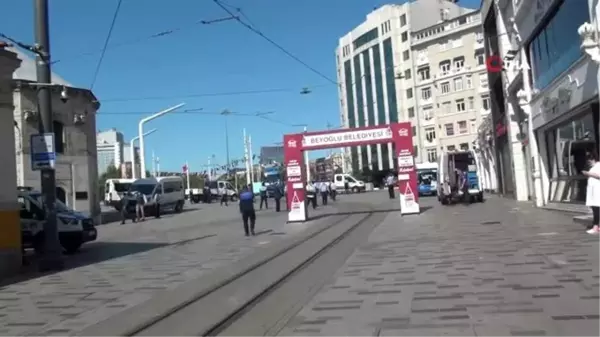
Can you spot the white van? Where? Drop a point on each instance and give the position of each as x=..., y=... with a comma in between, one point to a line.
x=448, y=162
x=354, y=184
x=160, y=193
x=114, y=189
x=222, y=185
x=74, y=228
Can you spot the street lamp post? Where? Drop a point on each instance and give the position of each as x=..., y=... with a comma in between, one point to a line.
x=305, y=153
x=141, y=135
x=227, y=113
x=132, y=151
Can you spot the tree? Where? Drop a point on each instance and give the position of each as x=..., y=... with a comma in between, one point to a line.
x=112, y=172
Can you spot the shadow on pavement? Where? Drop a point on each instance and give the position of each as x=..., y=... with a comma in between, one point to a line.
x=115, y=216
x=389, y=210
x=91, y=253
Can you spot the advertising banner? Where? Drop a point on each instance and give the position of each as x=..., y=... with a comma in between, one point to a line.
x=295, y=178
x=407, y=174
x=347, y=137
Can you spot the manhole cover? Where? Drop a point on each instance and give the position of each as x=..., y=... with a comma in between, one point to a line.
x=490, y=223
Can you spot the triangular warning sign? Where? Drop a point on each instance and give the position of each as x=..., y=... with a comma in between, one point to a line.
x=295, y=198
x=408, y=190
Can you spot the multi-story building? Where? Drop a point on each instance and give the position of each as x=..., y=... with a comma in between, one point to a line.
x=449, y=93
x=110, y=146
x=376, y=66
x=127, y=165
x=545, y=102
x=75, y=137
x=271, y=154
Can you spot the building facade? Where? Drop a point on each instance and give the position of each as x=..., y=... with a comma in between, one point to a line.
x=375, y=67
x=545, y=102
x=111, y=149
x=75, y=138
x=271, y=154
x=449, y=95
x=10, y=232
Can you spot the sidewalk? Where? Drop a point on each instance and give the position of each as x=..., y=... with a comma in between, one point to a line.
x=497, y=268
x=163, y=254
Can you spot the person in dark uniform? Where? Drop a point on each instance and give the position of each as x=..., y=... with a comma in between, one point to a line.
x=346, y=186
x=247, y=211
x=124, y=211
x=263, y=196
x=390, y=185
x=277, y=194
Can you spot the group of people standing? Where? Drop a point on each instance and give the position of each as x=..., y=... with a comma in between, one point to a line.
x=325, y=189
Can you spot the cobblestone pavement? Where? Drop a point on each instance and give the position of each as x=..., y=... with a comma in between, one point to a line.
x=496, y=269
x=130, y=263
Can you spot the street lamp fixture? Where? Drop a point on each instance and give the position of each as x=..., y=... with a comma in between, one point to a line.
x=141, y=134
x=305, y=91
x=132, y=151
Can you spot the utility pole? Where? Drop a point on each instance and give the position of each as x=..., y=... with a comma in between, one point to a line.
x=227, y=113
x=52, y=258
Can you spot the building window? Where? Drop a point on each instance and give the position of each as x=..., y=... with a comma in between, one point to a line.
x=445, y=67
x=430, y=134
x=402, y=20
x=414, y=131
x=407, y=74
x=424, y=74
x=473, y=125
x=557, y=46
x=365, y=38
x=451, y=148
x=463, y=127
x=59, y=137
x=404, y=36
x=409, y=93
x=458, y=84
x=459, y=63
x=469, y=81
x=485, y=103
x=447, y=107
x=464, y=146
x=426, y=93
x=480, y=57
x=449, y=129
x=483, y=80
x=460, y=105
x=445, y=87
x=471, y=101
x=432, y=155
x=406, y=55
x=428, y=113
x=411, y=112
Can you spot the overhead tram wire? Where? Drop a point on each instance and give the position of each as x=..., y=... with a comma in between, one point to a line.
x=110, y=30
x=275, y=44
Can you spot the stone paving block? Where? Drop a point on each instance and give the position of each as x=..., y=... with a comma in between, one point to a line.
x=486, y=269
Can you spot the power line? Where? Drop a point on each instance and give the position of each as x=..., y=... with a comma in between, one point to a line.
x=110, y=30
x=213, y=94
x=197, y=112
x=275, y=44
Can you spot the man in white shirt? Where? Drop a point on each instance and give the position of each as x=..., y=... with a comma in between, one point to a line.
x=311, y=194
x=390, y=185
x=324, y=192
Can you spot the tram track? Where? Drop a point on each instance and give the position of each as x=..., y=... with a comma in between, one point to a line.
x=262, y=299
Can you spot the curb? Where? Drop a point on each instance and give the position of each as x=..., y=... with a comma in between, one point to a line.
x=164, y=303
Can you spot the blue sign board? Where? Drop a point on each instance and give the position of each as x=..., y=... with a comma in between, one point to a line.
x=43, y=154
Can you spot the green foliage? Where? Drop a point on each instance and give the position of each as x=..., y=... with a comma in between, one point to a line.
x=112, y=172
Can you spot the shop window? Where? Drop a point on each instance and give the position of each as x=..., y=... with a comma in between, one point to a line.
x=567, y=148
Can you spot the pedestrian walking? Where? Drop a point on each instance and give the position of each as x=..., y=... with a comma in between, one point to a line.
x=592, y=198
x=124, y=211
x=223, y=194
x=263, y=196
x=311, y=194
x=247, y=211
x=333, y=190
x=346, y=186
x=390, y=185
x=277, y=194
x=324, y=192
x=140, y=199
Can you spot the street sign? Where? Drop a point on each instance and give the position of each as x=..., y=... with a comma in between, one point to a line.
x=43, y=154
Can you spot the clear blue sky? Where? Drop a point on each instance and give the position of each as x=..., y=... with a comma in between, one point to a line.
x=198, y=59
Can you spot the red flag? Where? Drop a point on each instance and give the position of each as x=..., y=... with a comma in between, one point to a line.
x=185, y=168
